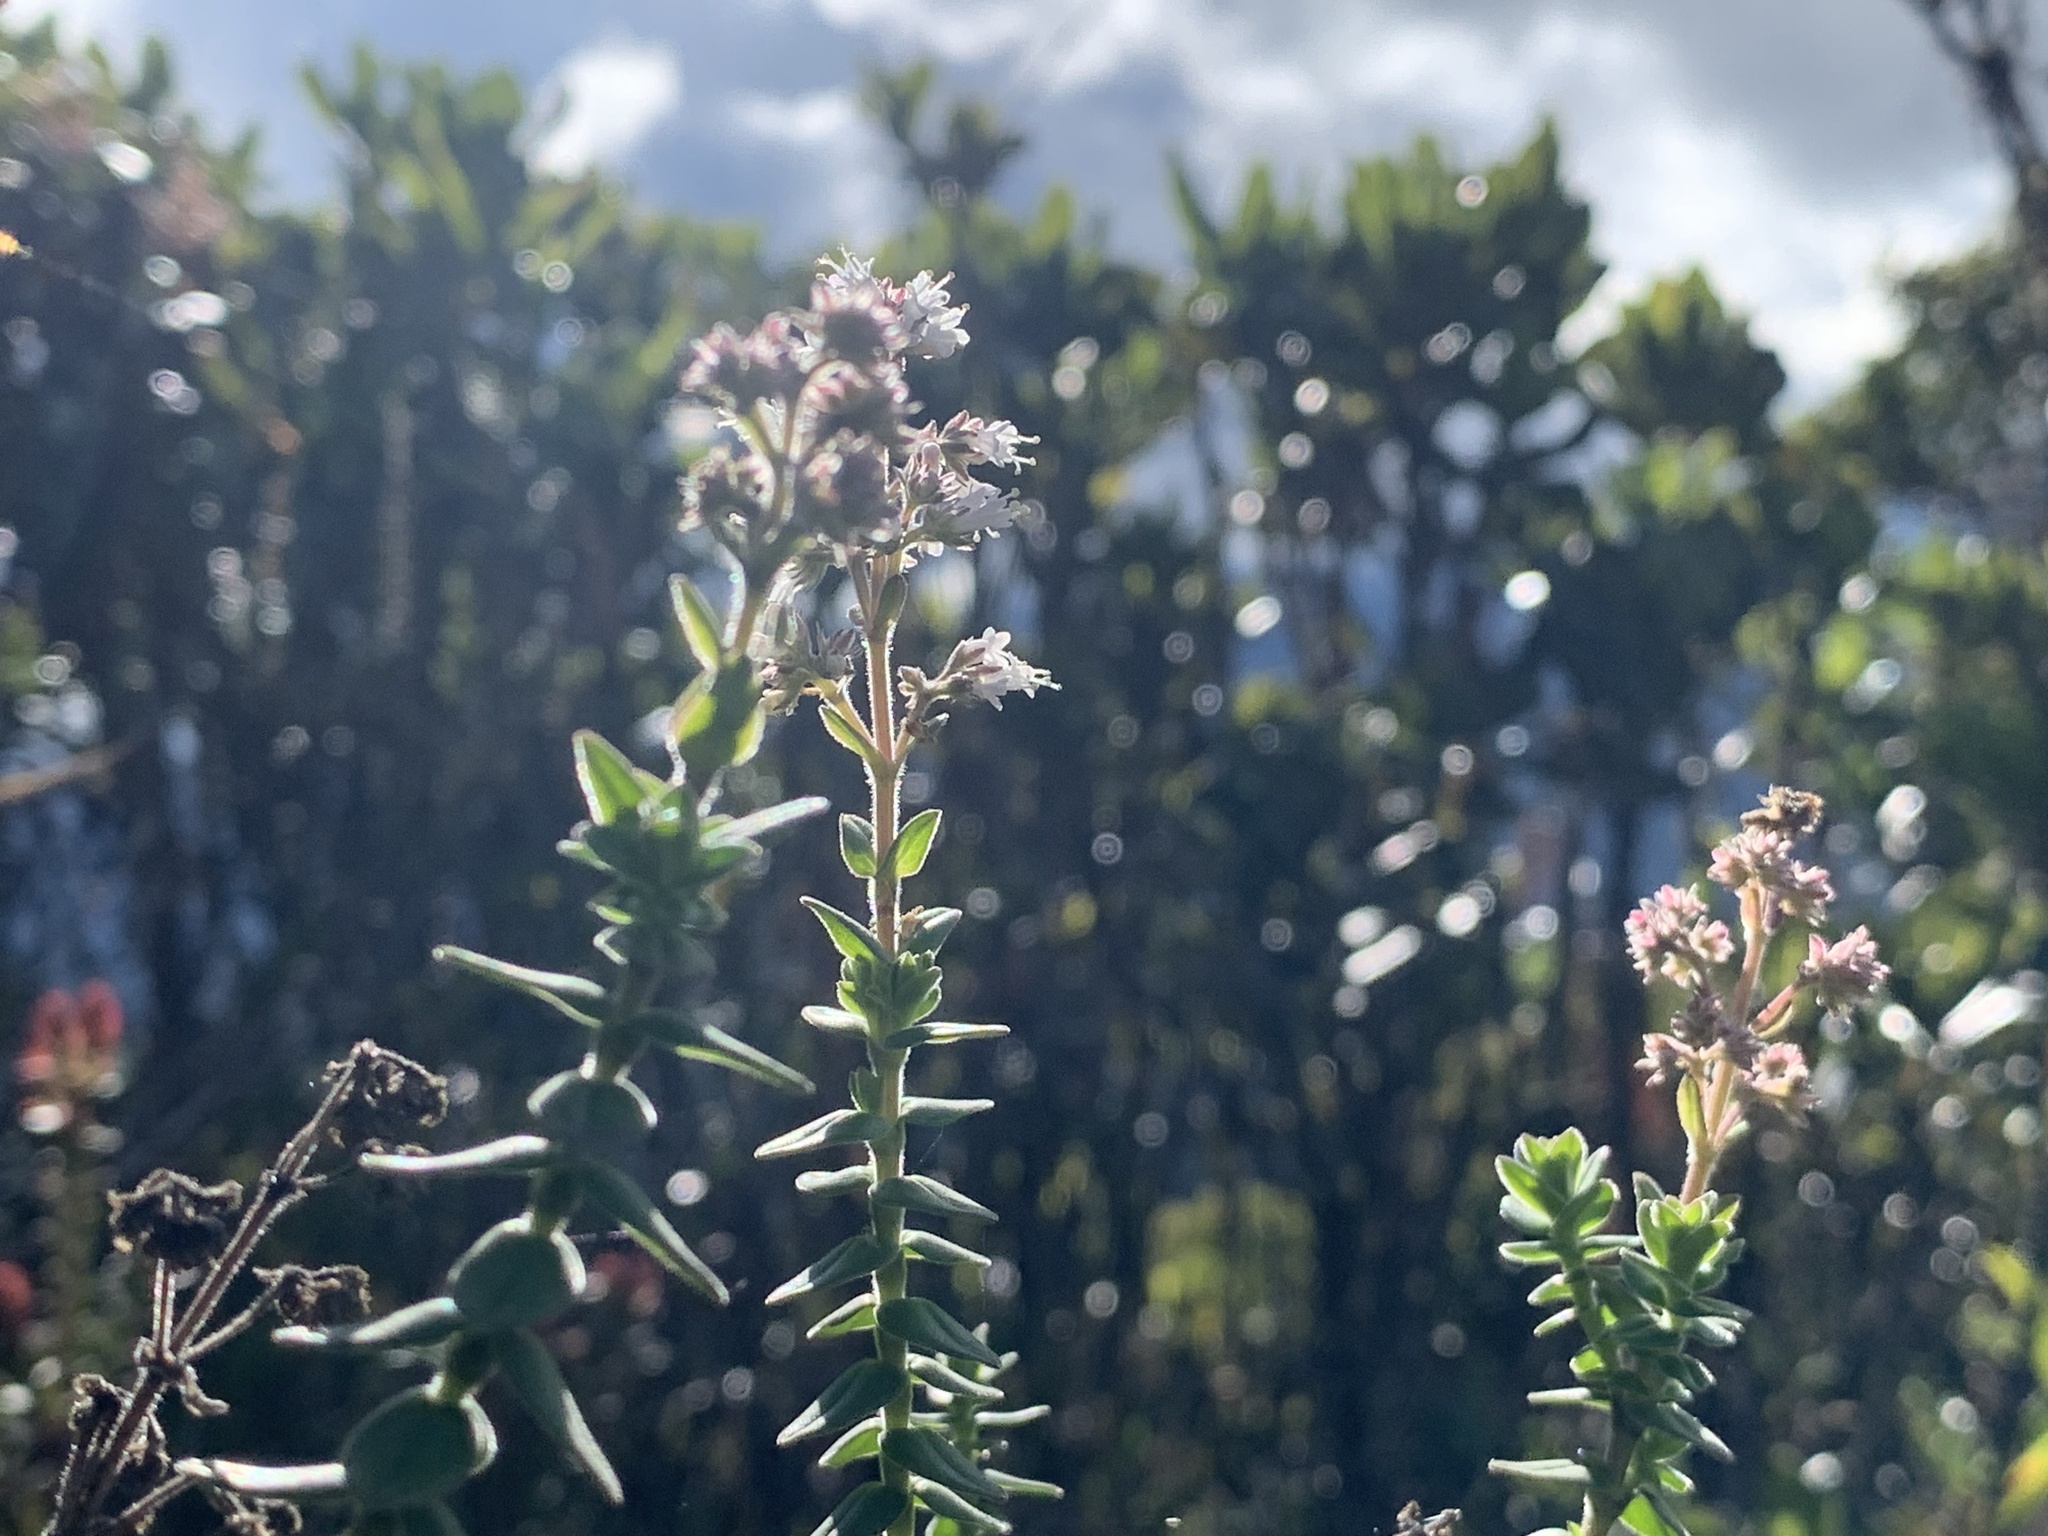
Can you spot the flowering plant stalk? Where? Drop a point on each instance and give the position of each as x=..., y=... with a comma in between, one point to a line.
x=832, y=485
x=670, y=855
x=1642, y=1300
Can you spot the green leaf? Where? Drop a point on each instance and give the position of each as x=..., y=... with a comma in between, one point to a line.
x=857, y=846
x=927, y=1453
x=845, y=735
x=836, y=1021
x=857, y=1444
x=915, y=1192
x=610, y=787
x=848, y=937
x=702, y=629
x=708, y=1043
x=508, y=1154
x=929, y=930
x=1565, y=1397
x=855, y=1177
x=943, y=1501
x=514, y=1277
x=593, y=1115
x=422, y=1323
x=1651, y=1516
x=867, y=1511
x=862, y=1389
x=920, y=1111
x=1012, y=1418
x=934, y=1372
x=626, y=1203
x=1025, y=1487
x=934, y=1249
x=856, y=1258
x=767, y=821
x=529, y=1370
x=2026, y=1484
x=856, y=1314
x=912, y=846
x=928, y=1326
x=840, y=1128
x=1553, y=1471
x=2013, y=1276
x=415, y=1448
x=326, y=1479
x=551, y=987
x=942, y=1034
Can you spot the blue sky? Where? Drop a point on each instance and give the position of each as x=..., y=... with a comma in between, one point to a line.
x=1797, y=149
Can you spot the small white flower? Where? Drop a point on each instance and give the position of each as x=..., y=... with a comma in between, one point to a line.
x=987, y=668
x=995, y=442
x=931, y=320
x=972, y=510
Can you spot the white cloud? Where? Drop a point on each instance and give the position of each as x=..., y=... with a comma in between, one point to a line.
x=842, y=173
x=600, y=103
x=1674, y=178
x=110, y=23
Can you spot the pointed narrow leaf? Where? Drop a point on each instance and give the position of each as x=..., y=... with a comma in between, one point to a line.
x=856, y=1258
x=934, y=1372
x=862, y=1389
x=845, y=735
x=713, y=1045
x=848, y=937
x=942, y=1034
x=928, y=933
x=867, y=1511
x=836, y=1021
x=857, y=1444
x=1012, y=1418
x=326, y=1479
x=944, y=1502
x=922, y=1111
x=1565, y=1397
x=422, y=1323
x=530, y=1371
x=934, y=1249
x=626, y=1203
x=854, y=1315
x=508, y=1154
x=1557, y=1471
x=605, y=774
x=857, y=846
x=770, y=819
x=1024, y=1487
x=699, y=622
x=840, y=1128
x=835, y=1181
x=915, y=1192
x=560, y=992
x=927, y=1453
x=912, y=846
x=930, y=1327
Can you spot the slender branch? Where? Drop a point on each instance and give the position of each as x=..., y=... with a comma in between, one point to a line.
x=280, y=1188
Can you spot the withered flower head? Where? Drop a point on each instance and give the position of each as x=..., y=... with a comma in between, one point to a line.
x=1794, y=812
x=391, y=1096
x=174, y=1218
x=318, y=1298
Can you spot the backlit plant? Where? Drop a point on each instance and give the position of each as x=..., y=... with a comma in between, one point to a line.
x=669, y=855
x=1643, y=1301
x=823, y=481
x=835, y=491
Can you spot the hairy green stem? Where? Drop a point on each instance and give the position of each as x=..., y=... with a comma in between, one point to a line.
x=885, y=891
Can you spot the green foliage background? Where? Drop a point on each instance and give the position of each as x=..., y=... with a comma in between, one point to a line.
x=343, y=558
